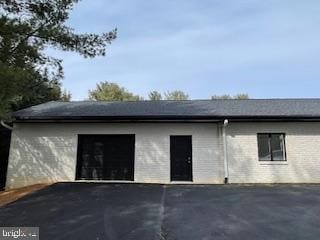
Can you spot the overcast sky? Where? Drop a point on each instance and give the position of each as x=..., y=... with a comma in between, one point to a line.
x=268, y=49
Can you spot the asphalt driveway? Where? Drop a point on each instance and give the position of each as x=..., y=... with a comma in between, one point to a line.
x=146, y=212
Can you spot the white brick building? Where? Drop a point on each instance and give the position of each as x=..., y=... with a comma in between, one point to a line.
x=202, y=142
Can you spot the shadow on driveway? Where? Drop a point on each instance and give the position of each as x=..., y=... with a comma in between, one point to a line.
x=169, y=212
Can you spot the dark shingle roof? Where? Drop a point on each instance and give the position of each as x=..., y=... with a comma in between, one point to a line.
x=193, y=109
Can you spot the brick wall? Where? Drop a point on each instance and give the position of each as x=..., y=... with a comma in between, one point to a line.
x=47, y=152
x=302, y=148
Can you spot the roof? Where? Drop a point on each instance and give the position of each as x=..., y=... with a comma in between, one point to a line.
x=174, y=110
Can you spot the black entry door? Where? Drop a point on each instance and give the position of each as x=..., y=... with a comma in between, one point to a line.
x=106, y=157
x=181, y=158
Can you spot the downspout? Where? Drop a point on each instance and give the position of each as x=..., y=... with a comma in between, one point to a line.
x=225, y=152
x=6, y=125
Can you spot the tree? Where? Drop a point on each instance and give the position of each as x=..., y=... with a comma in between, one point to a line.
x=176, y=95
x=155, y=96
x=27, y=75
x=66, y=96
x=227, y=96
x=241, y=96
x=106, y=91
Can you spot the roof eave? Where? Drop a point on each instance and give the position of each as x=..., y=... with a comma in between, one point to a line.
x=167, y=119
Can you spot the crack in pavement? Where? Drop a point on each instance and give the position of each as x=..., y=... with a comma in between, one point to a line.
x=161, y=233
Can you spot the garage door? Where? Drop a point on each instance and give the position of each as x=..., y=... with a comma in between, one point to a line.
x=105, y=157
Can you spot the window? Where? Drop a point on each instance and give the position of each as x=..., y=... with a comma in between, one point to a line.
x=271, y=147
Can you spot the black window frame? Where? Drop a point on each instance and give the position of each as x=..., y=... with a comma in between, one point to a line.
x=79, y=150
x=271, y=152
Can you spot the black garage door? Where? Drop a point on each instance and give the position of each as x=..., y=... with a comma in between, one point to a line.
x=105, y=157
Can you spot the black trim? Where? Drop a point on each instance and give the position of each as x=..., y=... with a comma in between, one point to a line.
x=189, y=176
x=77, y=160
x=5, y=141
x=271, y=152
x=168, y=118
x=120, y=121
x=79, y=151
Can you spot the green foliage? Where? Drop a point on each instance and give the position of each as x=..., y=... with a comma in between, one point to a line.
x=42, y=22
x=227, y=96
x=65, y=96
x=155, y=96
x=106, y=91
x=27, y=75
x=176, y=95
x=22, y=87
x=170, y=95
x=241, y=96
